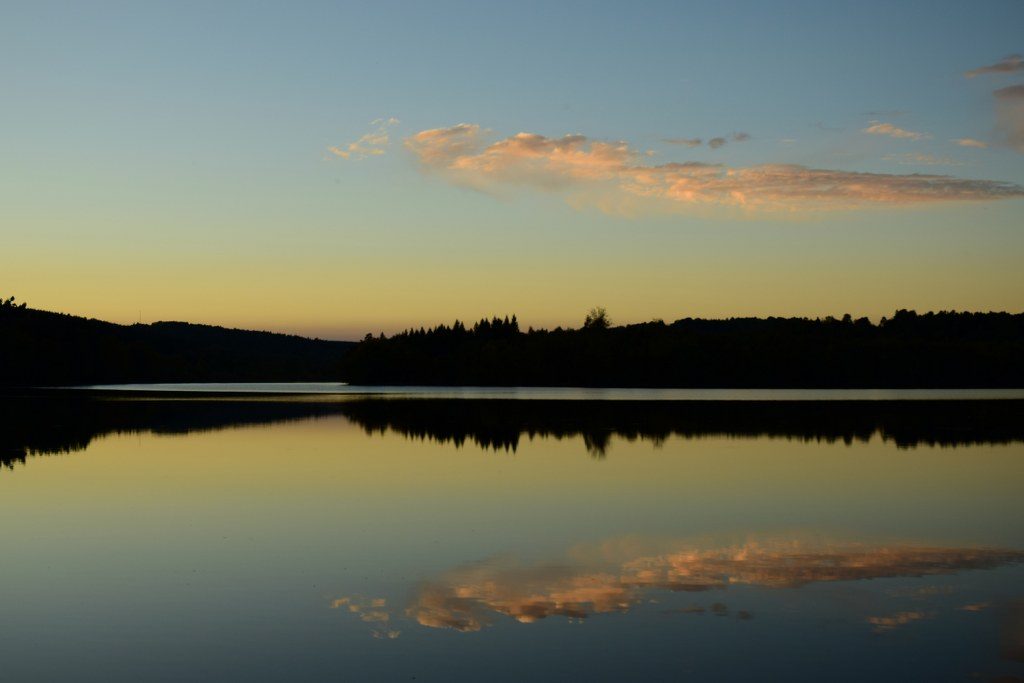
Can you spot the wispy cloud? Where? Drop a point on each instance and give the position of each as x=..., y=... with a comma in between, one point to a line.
x=466, y=155
x=373, y=143
x=970, y=142
x=1006, y=65
x=916, y=158
x=1009, y=103
x=1010, y=115
x=879, y=128
x=685, y=142
x=713, y=143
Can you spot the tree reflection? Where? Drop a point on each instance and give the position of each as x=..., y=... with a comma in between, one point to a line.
x=48, y=423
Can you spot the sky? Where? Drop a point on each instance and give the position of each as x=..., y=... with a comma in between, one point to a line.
x=338, y=168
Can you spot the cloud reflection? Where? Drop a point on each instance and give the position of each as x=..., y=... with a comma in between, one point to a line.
x=614, y=576
x=888, y=623
x=371, y=610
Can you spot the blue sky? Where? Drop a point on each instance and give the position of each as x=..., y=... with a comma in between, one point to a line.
x=174, y=158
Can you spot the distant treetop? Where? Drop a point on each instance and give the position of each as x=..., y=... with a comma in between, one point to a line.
x=9, y=303
x=597, y=319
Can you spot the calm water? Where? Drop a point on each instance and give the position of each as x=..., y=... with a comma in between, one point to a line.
x=570, y=393
x=380, y=539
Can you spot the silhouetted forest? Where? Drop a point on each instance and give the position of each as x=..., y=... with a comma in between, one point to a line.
x=57, y=422
x=946, y=349
x=40, y=348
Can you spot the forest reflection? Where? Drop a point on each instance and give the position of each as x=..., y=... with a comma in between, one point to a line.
x=500, y=425
x=55, y=423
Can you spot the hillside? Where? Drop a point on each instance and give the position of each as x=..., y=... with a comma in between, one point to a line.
x=41, y=348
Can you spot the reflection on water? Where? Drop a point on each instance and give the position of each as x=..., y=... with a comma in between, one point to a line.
x=52, y=424
x=370, y=610
x=272, y=538
x=335, y=389
x=616, y=575
x=500, y=425
x=62, y=423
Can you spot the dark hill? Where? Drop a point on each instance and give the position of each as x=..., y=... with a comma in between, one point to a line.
x=40, y=348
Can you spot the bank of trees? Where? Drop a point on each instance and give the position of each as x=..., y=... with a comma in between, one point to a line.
x=945, y=349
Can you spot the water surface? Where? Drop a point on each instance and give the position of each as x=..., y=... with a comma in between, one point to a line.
x=274, y=539
x=565, y=393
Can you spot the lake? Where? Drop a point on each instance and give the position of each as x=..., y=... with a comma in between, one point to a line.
x=430, y=535
x=341, y=390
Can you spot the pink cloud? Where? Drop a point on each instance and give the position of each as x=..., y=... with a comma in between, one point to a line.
x=971, y=142
x=590, y=169
x=372, y=144
x=878, y=128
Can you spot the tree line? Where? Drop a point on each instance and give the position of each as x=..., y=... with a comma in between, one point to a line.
x=943, y=349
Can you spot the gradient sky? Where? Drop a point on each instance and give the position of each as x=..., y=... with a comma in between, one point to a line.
x=301, y=167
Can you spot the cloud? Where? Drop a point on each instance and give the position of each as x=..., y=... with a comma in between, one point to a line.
x=879, y=128
x=919, y=159
x=1006, y=65
x=970, y=142
x=1010, y=115
x=685, y=142
x=441, y=146
x=713, y=143
x=371, y=144
x=599, y=172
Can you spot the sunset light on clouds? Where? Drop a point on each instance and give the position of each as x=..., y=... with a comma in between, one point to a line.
x=596, y=340
x=346, y=167
x=570, y=161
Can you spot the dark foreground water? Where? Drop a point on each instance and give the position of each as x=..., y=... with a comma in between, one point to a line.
x=430, y=539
